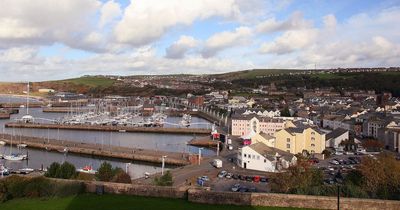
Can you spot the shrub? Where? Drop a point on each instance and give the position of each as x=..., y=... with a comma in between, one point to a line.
x=67, y=171
x=165, y=180
x=16, y=186
x=53, y=170
x=105, y=172
x=64, y=171
x=121, y=176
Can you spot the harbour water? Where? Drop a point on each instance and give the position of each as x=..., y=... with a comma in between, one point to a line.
x=37, y=158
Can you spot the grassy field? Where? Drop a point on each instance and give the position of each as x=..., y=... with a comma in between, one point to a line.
x=251, y=74
x=117, y=202
x=91, y=81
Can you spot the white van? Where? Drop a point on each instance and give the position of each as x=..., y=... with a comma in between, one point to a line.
x=217, y=163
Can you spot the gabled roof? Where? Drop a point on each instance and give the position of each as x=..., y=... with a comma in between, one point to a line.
x=335, y=133
x=269, y=152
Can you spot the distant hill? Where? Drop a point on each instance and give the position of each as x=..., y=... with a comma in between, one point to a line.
x=253, y=73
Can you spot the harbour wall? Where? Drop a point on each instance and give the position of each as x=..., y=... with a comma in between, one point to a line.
x=125, y=153
x=111, y=128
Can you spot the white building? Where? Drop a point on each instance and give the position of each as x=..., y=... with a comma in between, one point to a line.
x=260, y=157
x=334, y=138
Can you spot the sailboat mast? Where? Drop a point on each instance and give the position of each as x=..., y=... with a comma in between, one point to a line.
x=27, y=101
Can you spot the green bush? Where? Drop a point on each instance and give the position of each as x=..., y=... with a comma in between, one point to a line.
x=19, y=187
x=105, y=172
x=121, y=176
x=64, y=171
x=53, y=170
x=165, y=180
x=67, y=171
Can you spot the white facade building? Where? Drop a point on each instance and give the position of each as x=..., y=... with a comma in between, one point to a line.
x=260, y=157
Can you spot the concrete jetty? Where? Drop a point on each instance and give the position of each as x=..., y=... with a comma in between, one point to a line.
x=18, y=105
x=203, y=142
x=110, y=128
x=126, y=153
x=65, y=109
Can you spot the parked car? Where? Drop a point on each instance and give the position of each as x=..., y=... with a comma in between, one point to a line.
x=205, y=178
x=263, y=179
x=256, y=179
x=222, y=174
x=243, y=189
x=230, y=147
x=242, y=177
x=252, y=189
x=228, y=175
x=235, y=176
x=235, y=187
x=334, y=162
x=249, y=178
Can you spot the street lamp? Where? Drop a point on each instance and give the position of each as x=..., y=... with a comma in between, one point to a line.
x=201, y=148
x=163, y=164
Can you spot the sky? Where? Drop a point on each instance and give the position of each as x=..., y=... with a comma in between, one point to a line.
x=47, y=40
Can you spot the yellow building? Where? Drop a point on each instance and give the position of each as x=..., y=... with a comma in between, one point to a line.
x=296, y=140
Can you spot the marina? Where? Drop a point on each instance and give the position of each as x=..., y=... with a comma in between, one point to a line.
x=157, y=143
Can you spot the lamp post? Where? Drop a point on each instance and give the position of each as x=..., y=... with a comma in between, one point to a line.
x=163, y=164
x=201, y=148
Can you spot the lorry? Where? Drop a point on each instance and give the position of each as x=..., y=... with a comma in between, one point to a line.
x=217, y=163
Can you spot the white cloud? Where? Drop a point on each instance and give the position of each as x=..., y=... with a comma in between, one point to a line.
x=290, y=41
x=109, y=11
x=27, y=22
x=179, y=48
x=145, y=21
x=295, y=21
x=226, y=39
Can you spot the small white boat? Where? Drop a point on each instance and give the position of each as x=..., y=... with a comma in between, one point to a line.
x=26, y=170
x=14, y=157
x=22, y=145
x=2, y=143
x=87, y=170
x=122, y=131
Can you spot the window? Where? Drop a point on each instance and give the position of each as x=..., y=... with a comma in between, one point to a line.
x=288, y=140
x=312, y=139
x=265, y=160
x=288, y=146
x=312, y=151
x=245, y=155
x=312, y=133
x=254, y=157
x=287, y=150
x=258, y=157
x=313, y=145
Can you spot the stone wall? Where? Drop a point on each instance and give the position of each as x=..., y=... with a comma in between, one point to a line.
x=140, y=190
x=287, y=200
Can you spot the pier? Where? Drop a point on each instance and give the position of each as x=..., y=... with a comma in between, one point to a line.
x=111, y=128
x=18, y=105
x=203, y=142
x=126, y=153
